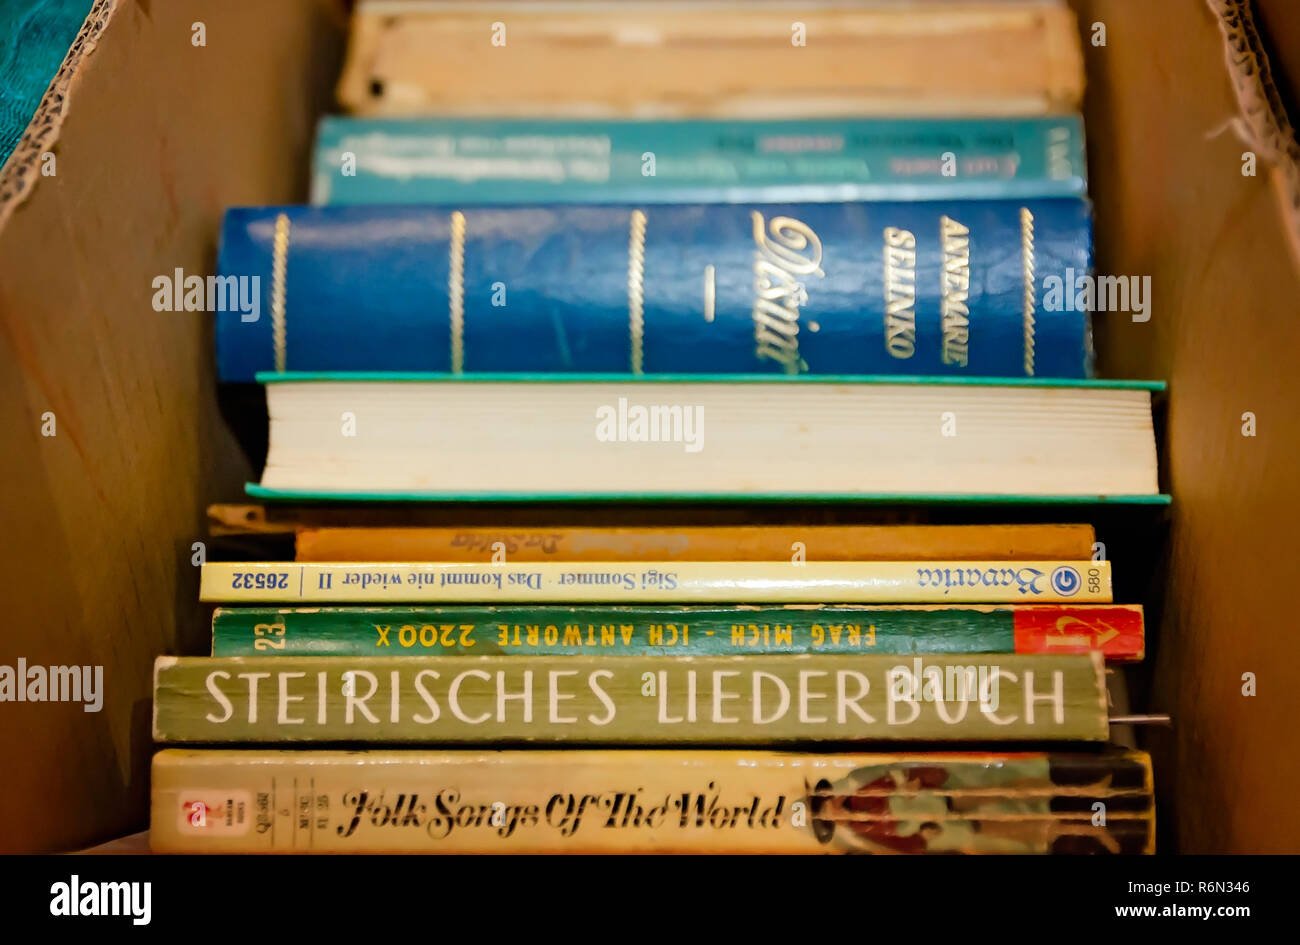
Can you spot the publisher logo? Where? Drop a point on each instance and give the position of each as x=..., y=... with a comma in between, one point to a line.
x=195, y=813
x=1066, y=581
x=225, y=813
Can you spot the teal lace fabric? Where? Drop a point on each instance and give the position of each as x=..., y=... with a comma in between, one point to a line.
x=34, y=38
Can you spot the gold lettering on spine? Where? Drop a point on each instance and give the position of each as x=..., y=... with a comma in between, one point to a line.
x=456, y=292
x=636, y=288
x=710, y=292
x=1027, y=263
x=279, y=269
x=900, y=292
x=779, y=260
x=954, y=290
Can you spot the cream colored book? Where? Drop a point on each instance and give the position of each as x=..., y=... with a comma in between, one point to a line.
x=794, y=582
x=684, y=58
x=488, y=437
x=740, y=801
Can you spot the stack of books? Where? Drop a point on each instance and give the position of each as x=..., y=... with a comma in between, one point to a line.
x=820, y=284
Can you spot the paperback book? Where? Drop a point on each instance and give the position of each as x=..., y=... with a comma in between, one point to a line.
x=812, y=582
x=720, y=630
x=697, y=543
x=736, y=801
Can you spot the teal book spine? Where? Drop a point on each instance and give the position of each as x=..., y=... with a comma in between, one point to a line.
x=729, y=630
x=509, y=161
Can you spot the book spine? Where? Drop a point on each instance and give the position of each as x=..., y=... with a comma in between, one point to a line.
x=257, y=801
x=960, y=288
x=519, y=161
x=701, y=59
x=703, y=543
x=819, y=582
x=475, y=630
x=664, y=700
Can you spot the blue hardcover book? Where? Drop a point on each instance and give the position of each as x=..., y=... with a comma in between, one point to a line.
x=932, y=288
x=508, y=161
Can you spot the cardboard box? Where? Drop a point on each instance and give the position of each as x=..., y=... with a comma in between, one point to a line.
x=158, y=136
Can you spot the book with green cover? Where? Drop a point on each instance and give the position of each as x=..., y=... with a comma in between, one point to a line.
x=444, y=160
x=664, y=700
x=701, y=630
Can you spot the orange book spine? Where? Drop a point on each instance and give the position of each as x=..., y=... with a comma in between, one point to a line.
x=704, y=543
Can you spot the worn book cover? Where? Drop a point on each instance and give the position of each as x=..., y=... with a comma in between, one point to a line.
x=967, y=288
x=699, y=630
x=661, y=700
x=713, y=59
x=735, y=801
x=552, y=531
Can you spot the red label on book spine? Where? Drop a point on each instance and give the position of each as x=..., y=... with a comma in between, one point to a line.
x=1116, y=632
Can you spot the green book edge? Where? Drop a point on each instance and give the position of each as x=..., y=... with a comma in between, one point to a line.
x=272, y=377
x=257, y=491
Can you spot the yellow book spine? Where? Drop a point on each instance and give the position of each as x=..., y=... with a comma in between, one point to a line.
x=820, y=582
